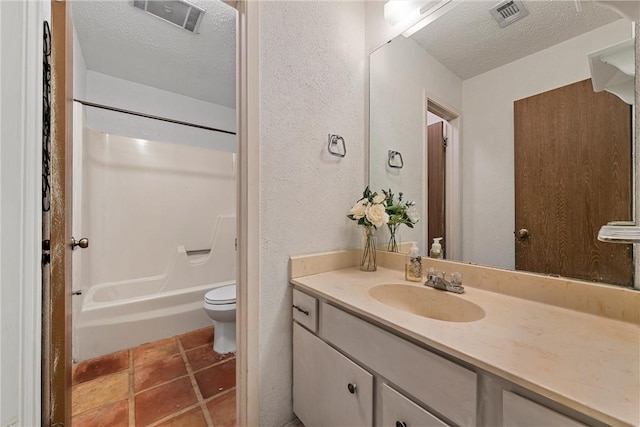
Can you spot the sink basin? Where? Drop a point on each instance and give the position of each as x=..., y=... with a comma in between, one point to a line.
x=427, y=302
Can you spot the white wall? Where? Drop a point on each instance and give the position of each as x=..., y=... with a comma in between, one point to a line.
x=487, y=152
x=112, y=91
x=402, y=75
x=312, y=65
x=79, y=69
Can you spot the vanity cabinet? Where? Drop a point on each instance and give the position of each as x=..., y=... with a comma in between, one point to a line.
x=443, y=386
x=305, y=310
x=349, y=372
x=328, y=388
x=518, y=411
x=336, y=373
x=399, y=411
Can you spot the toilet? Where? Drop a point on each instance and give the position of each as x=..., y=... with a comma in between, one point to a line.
x=220, y=305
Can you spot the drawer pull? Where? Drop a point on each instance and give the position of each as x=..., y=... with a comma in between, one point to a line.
x=301, y=310
x=352, y=388
x=401, y=424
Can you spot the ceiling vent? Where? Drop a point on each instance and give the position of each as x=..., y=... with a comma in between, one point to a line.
x=508, y=12
x=181, y=13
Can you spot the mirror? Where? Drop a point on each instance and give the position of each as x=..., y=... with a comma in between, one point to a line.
x=489, y=86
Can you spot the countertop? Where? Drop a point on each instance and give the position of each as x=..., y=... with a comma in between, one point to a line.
x=585, y=362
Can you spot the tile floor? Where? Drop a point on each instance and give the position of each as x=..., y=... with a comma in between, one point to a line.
x=178, y=381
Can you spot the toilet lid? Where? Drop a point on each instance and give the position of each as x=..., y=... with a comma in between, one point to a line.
x=222, y=295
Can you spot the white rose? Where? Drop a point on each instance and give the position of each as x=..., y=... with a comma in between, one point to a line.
x=379, y=199
x=412, y=213
x=359, y=209
x=377, y=215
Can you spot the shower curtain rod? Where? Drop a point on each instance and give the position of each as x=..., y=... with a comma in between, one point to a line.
x=149, y=116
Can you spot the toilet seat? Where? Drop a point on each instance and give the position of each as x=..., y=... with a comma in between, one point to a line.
x=222, y=295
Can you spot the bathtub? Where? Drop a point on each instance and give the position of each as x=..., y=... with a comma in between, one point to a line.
x=162, y=226
x=105, y=326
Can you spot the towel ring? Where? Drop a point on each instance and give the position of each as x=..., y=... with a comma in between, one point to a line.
x=333, y=141
x=392, y=155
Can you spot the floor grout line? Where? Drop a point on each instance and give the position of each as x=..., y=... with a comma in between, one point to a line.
x=105, y=403
x=194, y=383
x=222, y=393
x=220, y=362
x=201, y=402
x=174, y=414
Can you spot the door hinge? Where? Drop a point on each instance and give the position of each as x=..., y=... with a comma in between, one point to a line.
x=236, y=244
x=46, y=247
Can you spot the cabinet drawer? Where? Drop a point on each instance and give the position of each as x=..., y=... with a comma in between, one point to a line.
x=449, y=389
x=518, y=411
x=305, y=310
x=399, y=411
x=328, y=388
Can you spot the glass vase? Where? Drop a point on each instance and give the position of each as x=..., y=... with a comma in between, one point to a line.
x=368, y=261
x=392, y=246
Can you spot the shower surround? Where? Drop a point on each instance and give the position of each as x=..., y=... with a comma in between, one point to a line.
x=160, y=218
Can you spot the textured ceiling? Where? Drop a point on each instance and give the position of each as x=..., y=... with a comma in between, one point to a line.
x=469, y=42
x=122, y=41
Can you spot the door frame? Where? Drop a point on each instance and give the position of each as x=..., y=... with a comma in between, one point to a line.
x=56, y=308
x=247, y=372
x=248, y=208
x=453, y=179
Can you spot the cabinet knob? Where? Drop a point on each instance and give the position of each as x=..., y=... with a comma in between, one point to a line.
x=352, y=388
x=401, y=424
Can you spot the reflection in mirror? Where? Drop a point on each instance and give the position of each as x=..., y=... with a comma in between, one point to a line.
x=509, y=153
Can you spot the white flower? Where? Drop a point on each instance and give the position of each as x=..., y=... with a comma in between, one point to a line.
x=377, y=215
x=379, y=199
x=412, y=214
x=359, y=209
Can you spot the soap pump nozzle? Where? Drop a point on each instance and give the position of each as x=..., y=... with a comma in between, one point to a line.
x=413, y=250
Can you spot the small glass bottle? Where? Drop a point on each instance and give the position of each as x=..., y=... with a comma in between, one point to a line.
x=436, y=249
x=413, y=266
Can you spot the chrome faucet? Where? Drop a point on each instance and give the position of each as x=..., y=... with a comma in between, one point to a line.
x=441, y=283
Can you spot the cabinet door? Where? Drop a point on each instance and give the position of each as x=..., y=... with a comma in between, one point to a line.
x=399, y=411
x=328, y=388
x=447, y=387
x=520, y=412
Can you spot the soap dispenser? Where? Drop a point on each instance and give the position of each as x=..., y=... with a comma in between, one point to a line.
x=413, y=266
x=436, y=249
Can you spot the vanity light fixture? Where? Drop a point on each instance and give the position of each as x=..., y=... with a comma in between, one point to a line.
x=429, y=13
x=417, y=13
x=397, y=11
